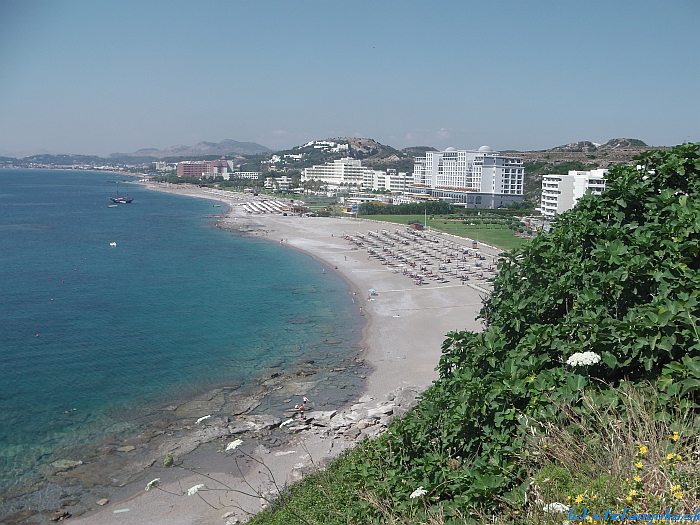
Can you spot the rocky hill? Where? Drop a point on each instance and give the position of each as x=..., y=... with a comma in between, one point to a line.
x=582, y=155
x=614, y=150
x=320, y=151
x=587, y=146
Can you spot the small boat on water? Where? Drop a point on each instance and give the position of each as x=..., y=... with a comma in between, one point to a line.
x=121, y=199
x=113, y=244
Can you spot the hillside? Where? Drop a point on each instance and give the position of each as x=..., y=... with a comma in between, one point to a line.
x=582, y=155
x=582, y=391
x=371, y=152
x=226, y=147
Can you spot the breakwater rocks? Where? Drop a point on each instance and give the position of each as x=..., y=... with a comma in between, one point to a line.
x=366, y=418
x=267, y=439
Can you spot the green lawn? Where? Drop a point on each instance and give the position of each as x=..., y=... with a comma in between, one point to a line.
x=495, y=235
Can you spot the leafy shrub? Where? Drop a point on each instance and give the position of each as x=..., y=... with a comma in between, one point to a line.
x=617, y=279
x=618, y=276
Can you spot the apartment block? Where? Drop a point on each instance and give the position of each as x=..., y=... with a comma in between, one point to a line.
x=561, y=192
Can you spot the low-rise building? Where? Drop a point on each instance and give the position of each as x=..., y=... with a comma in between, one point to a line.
x=561, y=192
x=389, y=180
x=282, y=183
x=252, y=175
x=340, y=172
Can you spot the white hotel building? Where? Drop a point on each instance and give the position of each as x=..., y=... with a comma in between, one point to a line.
x=351, y=172
x=480, y=178
x=389, y=180
x=345, y=171
x=561, y=192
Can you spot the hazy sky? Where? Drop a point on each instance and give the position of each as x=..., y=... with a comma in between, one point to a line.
x=95, y=77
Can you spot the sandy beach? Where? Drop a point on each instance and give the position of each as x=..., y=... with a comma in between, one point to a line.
x=405, y=327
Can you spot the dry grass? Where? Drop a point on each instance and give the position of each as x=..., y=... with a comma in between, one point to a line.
x=420, y=513
x=605, y=457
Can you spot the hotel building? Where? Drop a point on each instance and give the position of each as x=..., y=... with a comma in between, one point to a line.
x=282, y=183
x=345, y=171
x=480, y=178
x=205, y=168
x=389, y=180
x=561, y=192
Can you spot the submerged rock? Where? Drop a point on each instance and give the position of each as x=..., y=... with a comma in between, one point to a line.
x=61, y=515
x=65, y=464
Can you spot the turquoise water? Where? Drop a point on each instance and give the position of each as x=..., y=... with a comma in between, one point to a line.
x=90, y=334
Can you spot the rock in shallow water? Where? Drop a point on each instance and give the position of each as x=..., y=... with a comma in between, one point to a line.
x=66, y=464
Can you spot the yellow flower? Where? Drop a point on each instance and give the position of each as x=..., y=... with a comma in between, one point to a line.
x=633, y=493
x=675, y=436
x=568, y=498
x=677, y=495
x=678, y=457
x=638, y=479
x=579, y=499
x=629, y=498
x=639, y=465
x=675, y=488
x=670, y=456
x=589, y=519
x=642, y=450
x=594, y=497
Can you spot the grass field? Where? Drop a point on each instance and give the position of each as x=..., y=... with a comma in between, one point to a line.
x=495, y=235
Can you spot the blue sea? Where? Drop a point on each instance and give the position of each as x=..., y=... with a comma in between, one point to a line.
x=92, y=334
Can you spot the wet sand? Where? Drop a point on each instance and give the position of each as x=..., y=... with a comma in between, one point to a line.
x=401, y=344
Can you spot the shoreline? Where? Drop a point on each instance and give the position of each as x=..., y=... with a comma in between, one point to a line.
x=401, y=339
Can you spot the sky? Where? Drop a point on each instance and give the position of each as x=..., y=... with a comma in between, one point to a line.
x=97, y=76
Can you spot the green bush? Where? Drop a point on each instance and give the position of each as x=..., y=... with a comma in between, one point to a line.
x=412, y=208
x=617, y=276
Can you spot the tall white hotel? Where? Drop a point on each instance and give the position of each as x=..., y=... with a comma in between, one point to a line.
x=480, y=178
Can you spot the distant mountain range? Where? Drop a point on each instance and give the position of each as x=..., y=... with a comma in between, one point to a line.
x=201, y=149
x=372, y=153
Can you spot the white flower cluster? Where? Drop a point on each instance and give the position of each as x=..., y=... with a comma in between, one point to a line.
x=418, y=493
x=555, y=508
x=152, y=483
x=234, y=444
x=193, y=490
x=583, y=359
